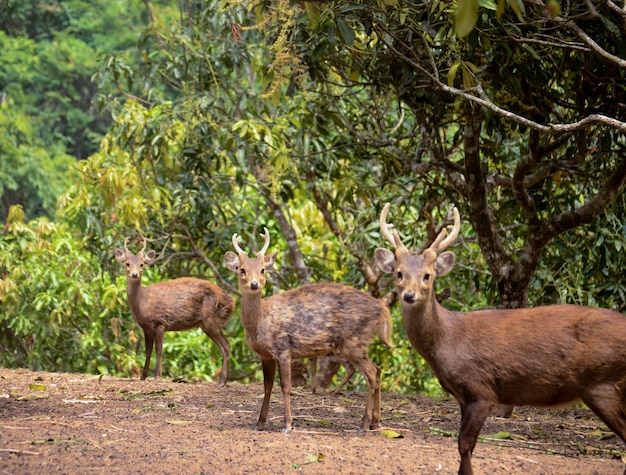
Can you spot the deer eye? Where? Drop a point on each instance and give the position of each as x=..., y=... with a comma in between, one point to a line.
x=242, y=272
x=262, y=271
x=426, y=277
x=399, y=275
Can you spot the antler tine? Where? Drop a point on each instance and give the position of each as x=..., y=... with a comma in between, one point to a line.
x=456, y=228
x=385, y=227
x=145, y=243
x=266, y=245
x=442, y=242
x=240, y=251
x=391, y=236
x=126, y=244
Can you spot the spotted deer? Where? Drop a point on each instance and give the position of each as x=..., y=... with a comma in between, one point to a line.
x=176, y=305
x=544, y=356
x=306, y=322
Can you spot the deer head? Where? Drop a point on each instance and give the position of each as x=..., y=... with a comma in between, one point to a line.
x=415, y=274
x=134, y=263
x=251, y=270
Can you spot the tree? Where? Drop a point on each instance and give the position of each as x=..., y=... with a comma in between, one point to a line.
x=49, y=53
x=522, y=121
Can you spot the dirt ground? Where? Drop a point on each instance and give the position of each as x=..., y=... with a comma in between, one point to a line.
x=83, y=424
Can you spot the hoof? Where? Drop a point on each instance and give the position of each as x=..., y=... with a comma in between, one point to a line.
x=287, y=430
x=361, y=431
x=258, y=428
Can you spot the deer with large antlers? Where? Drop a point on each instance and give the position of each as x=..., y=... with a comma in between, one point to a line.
x=176, y=305
x=544, y=356
x=313, y=320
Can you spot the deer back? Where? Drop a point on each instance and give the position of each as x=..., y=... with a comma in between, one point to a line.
x=322, y=318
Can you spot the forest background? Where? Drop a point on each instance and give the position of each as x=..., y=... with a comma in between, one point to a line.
x=186, y=122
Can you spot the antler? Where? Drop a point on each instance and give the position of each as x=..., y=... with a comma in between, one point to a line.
x=240, y=251
x=126, y=245
x=266, y=245
x=391, y=236
x=442, y=242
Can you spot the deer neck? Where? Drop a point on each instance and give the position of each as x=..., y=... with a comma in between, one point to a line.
x=134, y=292
x=425, y=325
x=252, y=310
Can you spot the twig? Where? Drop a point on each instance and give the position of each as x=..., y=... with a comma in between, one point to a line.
x=17, y=451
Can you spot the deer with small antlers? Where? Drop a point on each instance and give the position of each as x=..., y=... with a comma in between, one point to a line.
x=313, y=320
x=176, y=305
x=545, y=356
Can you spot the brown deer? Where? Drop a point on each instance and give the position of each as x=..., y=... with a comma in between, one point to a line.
x=313, y=320
x=180, y=304
x=544, y=356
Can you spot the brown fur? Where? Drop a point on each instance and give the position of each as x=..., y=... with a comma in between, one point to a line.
x=310, y=321
x=544, y=356
x=177, y=305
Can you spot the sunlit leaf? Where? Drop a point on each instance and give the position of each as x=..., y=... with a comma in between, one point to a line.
x=466, y=17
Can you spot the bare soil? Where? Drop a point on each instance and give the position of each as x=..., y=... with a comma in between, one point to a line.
x=83, y=424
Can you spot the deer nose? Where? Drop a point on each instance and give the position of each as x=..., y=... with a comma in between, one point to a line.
x=134, y=275
x=254, y=285
x=409, y=297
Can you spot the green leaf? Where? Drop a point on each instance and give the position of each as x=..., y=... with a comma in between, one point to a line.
x=500, y=9
x=452, y=73
x=313, y=13
x=466, y=17
x=346, y=32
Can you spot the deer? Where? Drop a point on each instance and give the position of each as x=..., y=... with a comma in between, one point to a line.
x=349, y=369
x=306, y=322
x=176, y=305
x=547, y=356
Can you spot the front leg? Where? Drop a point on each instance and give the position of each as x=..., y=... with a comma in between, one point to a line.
x=284, y=366
x=158, y=337
x=473, y=416
x=149, y=337
x=269, y=372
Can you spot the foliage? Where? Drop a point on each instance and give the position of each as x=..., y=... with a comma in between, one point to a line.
x=503, y=120
x=210, y=136
x=48, y=56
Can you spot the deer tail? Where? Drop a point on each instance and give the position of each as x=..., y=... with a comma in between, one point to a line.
x=385, y=328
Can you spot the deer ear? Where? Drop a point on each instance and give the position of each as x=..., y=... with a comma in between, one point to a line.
x=231, y=261
x=120, y=256
x=149, y=258
x=385, y=259
x=444, y=263
x=269, y=260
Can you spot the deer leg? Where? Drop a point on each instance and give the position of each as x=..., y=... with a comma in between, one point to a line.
x=371, y=419
x=609, y=403
x=222, y=342
x=158, y=343
x=313, y=374
x=284, y=366
x=473, y=416
x=149, y=338
x=350, y=370
x=269, y=372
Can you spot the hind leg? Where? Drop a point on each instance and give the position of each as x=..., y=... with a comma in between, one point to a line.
x=608, y=402
x=371, y=419
x=222, y=342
